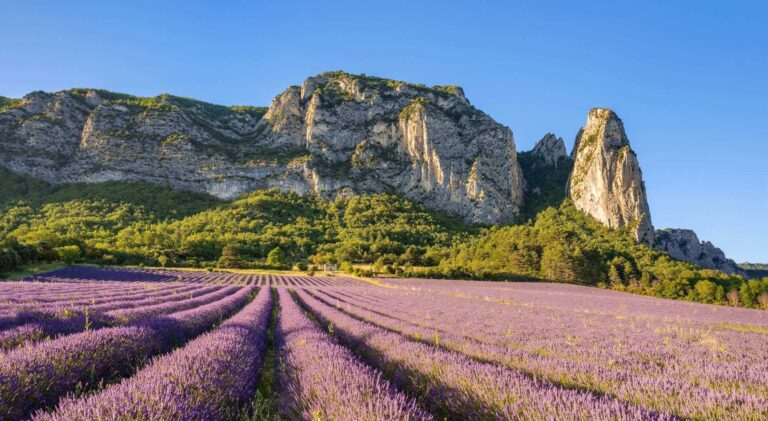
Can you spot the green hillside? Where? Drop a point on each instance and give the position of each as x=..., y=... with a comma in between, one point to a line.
x=139, y=223
x=564, y=245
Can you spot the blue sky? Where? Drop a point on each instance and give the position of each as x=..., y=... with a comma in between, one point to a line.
x=689, y=79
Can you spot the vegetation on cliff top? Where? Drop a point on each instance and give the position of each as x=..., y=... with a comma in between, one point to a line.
x=8, y=103
x=380, y=84
x=167, y=102
x=162, y=102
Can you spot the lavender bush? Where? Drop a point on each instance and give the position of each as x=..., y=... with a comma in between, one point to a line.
x=209, y=379
x=36, y=376
x=676, y=366
x=457, y=387
x=322, y=380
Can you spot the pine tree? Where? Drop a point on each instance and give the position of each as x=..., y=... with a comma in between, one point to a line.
x=615, y=277
x=276, y=257
x=230, y=257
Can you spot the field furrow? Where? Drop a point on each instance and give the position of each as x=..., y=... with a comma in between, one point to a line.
x=322, y=380
x=38, y=376
x=37, y=325
x=455, y=386
x=460, y=327
x=212, y=377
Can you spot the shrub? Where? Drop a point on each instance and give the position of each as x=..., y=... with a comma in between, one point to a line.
x=733, y=297
x=69, y=254
x=276, y=257
x=763, y=300
x=231, y=257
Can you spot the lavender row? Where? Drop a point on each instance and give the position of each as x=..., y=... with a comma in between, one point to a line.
x=32, y=332
x=690, y=384
x=60, y=321
x=190, y=300
x=210, y=378
x=314, y=281
x=587, y=300
x=64, y=310
x=69, y=309
x=37, y=376
x=105, y=301
x=90, y=274
x=454, y=386
x=82, y=298
x=33, y=299
x=223, y=278
x=40, y=293
x=146, y=299
x=322, y=380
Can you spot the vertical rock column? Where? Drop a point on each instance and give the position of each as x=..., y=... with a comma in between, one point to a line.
x=606, y=181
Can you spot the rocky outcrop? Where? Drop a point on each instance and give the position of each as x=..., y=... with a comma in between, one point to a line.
x=606, y=181
x=550, y=150
x=683, y=244
x=546, y=169
x=428, y=144
x=337, y=134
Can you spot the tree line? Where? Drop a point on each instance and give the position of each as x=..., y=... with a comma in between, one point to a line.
x=383, y=232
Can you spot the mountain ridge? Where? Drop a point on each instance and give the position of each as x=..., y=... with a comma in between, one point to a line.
x=337, y=135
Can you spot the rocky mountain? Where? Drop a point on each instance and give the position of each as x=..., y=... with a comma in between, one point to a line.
x=337, y=134
x=606, y=181
x=550, y=150
x=546, y=169
x=754, y=270
x=683, y=244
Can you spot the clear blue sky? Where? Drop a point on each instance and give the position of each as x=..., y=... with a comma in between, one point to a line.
x=689, y=79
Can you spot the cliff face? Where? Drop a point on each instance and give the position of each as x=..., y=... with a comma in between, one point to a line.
x=337, y=134
x=546, y=169
x=606, y=181
x=428, y=144
x=550, y=150
x=683, y=244
x=93, y=136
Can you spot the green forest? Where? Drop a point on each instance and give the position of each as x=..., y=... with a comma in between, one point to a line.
x=120, y=223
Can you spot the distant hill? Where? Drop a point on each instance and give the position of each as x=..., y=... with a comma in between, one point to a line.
x=755, y=270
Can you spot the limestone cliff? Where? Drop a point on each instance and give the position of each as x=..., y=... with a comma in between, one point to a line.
x=550, y=150
x=337, y=134
x=683, y=244
x=546, y=169
x=606, y=181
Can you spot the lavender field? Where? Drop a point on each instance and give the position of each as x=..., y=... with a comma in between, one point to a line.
x=91, y=343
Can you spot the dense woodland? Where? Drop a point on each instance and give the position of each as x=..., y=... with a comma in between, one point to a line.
x=140, y=224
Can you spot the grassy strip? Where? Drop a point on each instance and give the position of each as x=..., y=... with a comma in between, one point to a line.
x=264, y=404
